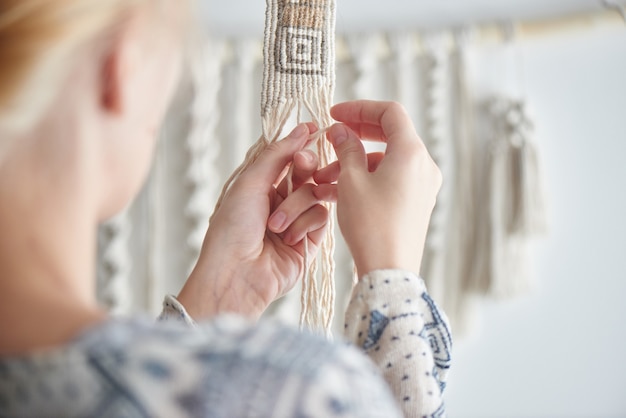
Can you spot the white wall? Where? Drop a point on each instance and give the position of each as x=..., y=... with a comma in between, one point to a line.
x=560, y=352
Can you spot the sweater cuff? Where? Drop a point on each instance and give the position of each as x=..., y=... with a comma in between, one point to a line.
x=381, y=294
x=174, y=311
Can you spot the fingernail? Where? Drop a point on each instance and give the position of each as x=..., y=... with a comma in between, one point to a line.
x=307, y=155
x=339, y=134
x=277, y=220
x=299, y=131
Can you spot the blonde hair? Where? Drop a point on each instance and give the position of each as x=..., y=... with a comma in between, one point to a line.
x=38, y=39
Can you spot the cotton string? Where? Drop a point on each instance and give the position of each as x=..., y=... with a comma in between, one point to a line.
x=299, y=74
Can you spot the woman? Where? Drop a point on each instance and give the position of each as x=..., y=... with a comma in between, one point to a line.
x=83, y=87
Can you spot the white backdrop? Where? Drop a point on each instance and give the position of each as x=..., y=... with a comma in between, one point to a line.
x=555, y=352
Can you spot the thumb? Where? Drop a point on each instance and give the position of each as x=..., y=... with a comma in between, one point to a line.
x=273, y=160
x=348, y=147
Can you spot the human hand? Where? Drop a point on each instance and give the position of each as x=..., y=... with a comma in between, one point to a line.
x=384, y=201
x=253, y=251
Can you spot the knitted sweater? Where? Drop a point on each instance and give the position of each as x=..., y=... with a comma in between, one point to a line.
x=230, y=368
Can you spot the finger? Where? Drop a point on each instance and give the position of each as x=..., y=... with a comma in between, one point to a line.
x=348, y=147
x=281, y=183
x=305, y=163
x=316, y=237
x=326, y=192
x=368, y=131
x=273, y=160
x=373, y=160
x=330, y=173
x=314, y=241
x=311, y=220
x=291, y=208
x=395, y=124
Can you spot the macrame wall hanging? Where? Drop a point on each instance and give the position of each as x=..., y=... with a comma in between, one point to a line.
x=515, y=206
x=299, y=76
x=513, y=195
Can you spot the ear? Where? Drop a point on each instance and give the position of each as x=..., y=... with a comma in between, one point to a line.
x=111, y=82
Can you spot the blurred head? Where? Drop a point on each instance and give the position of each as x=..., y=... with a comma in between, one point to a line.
x=91, y=80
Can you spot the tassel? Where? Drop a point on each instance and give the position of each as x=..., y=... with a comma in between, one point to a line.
x=515, y=195
x=527, y=212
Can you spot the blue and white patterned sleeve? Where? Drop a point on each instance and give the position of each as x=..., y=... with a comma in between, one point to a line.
x=174, y=311
x=394, y=320
x=325, y=379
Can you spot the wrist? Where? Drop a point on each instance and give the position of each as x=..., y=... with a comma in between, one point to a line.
x=366, y=265
x=209, y=292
